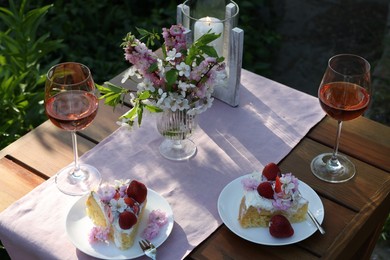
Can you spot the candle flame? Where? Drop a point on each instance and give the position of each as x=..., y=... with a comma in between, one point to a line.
x=208, y=20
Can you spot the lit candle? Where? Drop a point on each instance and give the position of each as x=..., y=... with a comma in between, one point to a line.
x=203, y=25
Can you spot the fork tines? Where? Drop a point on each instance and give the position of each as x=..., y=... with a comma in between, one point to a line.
x=145, y=244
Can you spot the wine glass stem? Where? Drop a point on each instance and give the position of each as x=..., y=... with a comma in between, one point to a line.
x=76, y=172
x=334, y=161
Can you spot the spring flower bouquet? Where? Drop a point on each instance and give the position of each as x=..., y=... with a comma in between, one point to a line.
x=183, y=79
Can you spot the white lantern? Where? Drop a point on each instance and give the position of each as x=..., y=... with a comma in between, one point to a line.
x=219, y=16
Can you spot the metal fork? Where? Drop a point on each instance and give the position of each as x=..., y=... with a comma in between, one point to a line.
x=149, y=249
x=313, y=218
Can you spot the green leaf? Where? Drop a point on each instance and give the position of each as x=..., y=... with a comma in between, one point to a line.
x=164, y=50
x=144, y=95
x=108, y=87
x=171, y=77
x=140, y=111
x=131, y=114
x=150, y=37
x=142, y=31
x=153, y=109
x=153, y=67
x=209, y=50
x=111, y=93
x=206, y=39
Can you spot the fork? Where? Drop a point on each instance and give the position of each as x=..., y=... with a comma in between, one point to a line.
x=314, y=219
x=149, y=249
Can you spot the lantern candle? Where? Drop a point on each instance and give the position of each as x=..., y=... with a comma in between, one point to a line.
x=203, y=25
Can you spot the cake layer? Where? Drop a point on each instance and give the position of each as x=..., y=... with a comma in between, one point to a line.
x=116, y=211
x=257, y=217
x=124, y=239
x=258, y=204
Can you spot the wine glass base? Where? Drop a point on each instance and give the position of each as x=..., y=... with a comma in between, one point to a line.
x=343, y=171
x=88, y=178
x=177, y=150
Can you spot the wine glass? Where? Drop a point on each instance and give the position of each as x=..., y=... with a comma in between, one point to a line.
x=71, y=104
x=344, y=94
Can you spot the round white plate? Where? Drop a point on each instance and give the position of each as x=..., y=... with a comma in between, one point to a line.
x=229, y=203
x=78, y=226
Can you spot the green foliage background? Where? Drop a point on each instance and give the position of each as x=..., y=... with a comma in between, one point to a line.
x=91, y=32
x=21, y=51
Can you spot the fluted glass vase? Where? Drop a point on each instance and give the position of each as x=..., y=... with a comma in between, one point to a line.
x=177, y=127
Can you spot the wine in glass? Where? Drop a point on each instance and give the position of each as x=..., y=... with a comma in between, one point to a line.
x=71, y=104
x=344, y=94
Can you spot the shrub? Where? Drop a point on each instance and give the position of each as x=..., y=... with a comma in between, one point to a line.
x=21, y=77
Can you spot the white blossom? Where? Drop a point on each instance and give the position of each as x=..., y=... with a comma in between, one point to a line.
x=118, y=205
x=146, y=85
x=172, y=55
x=184, y=69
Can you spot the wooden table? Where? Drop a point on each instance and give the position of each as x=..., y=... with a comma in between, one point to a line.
x=355, y=211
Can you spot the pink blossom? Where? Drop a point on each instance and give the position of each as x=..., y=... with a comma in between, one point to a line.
x=249, y=184
x=109, y=214
x=174, y=38
x=151, y=231
x=98, y=234
x=201, y=90
x=159, y=217
x=281, y=204
x=106, y=192
x=196, y=70
x=165, y=33
x=176, y=30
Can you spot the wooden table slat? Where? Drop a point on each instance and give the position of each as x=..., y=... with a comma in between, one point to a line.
x=222, y=244
x=353, y=194
x=15, y=182
x=55, y=145
x=360, y=138
x=104, y=123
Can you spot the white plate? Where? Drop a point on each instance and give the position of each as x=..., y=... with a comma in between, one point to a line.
x=78, y=226
x=228, y=206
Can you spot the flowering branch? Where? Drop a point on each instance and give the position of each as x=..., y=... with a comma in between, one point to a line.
x=183, y=79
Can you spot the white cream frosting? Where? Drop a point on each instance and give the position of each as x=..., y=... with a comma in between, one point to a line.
x=252, y=198
x=118, y=231
x=111, y=213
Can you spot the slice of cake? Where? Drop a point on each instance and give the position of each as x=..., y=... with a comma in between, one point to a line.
x=116, y=211
x=265, y=197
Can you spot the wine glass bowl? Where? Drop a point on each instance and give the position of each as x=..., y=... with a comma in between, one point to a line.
x=344, y=94
x=71, y=104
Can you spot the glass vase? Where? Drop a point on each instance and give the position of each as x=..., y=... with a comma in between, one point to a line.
x=176, y=127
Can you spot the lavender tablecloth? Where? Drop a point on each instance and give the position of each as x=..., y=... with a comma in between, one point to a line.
x=270, y=120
